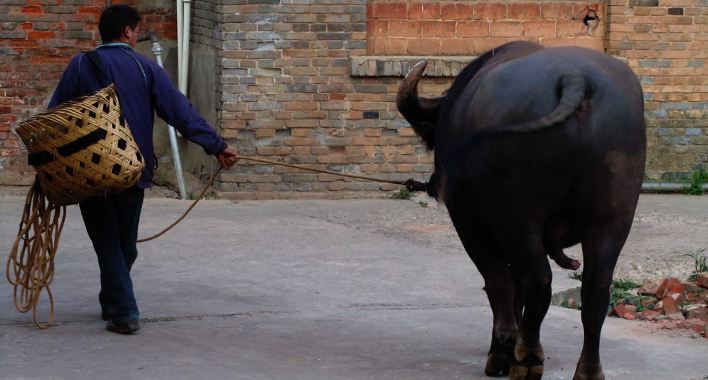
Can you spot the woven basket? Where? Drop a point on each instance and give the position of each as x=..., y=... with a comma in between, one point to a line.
x=82, y=148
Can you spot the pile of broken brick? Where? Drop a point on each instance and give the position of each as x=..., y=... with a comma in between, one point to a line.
x=670, y=302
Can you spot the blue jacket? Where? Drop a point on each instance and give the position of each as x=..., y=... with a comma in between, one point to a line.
x=142, y=87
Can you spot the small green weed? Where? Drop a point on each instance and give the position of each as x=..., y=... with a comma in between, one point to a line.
x=700, y=263
x=621, y=292
x=694, y=183
x=625, y=284
x=402, y=194
x=193, y=196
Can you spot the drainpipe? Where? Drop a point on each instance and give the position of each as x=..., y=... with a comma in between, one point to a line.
x=157, y=51
x=180, y=43
x=184, y=52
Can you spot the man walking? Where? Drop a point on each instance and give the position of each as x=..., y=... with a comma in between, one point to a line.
x=143, y=89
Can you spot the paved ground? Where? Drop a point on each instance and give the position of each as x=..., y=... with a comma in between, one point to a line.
x=361, y=289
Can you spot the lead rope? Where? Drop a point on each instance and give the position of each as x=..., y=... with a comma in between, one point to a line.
x=40, y=230
x=411, y=184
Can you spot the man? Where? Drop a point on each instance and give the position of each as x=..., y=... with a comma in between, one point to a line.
x=143, y=88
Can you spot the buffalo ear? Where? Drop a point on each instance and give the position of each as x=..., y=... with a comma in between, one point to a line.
x=422, y=113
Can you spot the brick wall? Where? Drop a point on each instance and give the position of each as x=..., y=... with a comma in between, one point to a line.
x=314, y=82
x=288, y=95
x=665, y=42
x=292, y=90
x=473, y=27
x=37, y=40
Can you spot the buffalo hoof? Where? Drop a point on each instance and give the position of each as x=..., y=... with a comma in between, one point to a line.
x=587, y=371
x=520, y=372
x=497, y=364
x=528, y=362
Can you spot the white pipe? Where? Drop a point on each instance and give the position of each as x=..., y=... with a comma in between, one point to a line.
x=184, y=73
x=180, y=20
x=157, y=50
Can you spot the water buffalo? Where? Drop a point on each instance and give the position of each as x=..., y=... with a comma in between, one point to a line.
x=536, y=149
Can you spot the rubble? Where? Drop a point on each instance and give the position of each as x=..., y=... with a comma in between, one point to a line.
x=702, y=279
x=671, y=303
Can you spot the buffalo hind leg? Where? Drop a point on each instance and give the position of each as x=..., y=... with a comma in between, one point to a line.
x=600, y=254
x=533, y=273
x=500, y=292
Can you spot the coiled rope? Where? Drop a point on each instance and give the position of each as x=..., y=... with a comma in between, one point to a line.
x=30, y=266
x=30, y=269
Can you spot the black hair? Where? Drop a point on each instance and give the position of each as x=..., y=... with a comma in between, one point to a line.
x=114, y=19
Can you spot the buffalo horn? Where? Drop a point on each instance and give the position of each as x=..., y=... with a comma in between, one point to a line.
x=414, y=108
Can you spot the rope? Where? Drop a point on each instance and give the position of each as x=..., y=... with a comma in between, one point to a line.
x=411, y=185
x=372, y=179
x=30, y=265
x=201, y=195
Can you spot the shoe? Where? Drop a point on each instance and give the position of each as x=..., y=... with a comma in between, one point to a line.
x=123, y=328
x=106, y=317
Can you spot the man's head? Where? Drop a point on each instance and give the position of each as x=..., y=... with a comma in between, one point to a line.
x=119, y=23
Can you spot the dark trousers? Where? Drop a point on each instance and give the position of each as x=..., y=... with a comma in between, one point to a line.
x=112, y=225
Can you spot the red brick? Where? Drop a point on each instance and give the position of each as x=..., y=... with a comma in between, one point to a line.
x=473, y=29
x=377, y=28
x=698, y=312
x=650, y=288
x=423, y=46
x=405, y=28
x=456, y=46
x=457, y=11
x=524, y=11
x=669, y=286
x=390, y=10
x=556, y=11
x=489, y=11
x=649, y=315
x=377, y=46
x=506, y=29
x=438, y=28
x=397, y=46
x=425, y=11
x=590, y=43
x=618, y=311
x=570, y=29
x=702, y=280
x=669, y=306
x=32, y=9
x=540, y=28
x=40, y=34
x=90, y=10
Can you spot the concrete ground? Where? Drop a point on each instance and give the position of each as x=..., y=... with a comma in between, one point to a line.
x=355, y=289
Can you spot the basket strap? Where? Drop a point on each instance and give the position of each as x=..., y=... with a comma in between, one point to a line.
x=68, y=149
x=98, y=65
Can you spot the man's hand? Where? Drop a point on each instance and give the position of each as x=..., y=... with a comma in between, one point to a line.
x=227, y=158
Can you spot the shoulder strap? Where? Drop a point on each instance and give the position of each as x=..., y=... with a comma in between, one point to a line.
x=98, y=66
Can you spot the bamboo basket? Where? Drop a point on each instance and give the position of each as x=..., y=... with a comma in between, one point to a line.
x=82, y=148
